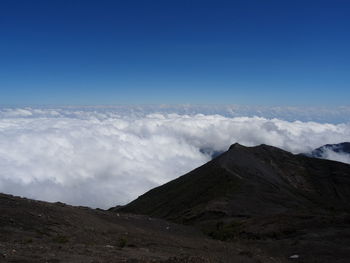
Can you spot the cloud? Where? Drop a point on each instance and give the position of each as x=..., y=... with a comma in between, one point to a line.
x=101, y=157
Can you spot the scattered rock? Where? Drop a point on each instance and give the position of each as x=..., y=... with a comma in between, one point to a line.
x=294, y=256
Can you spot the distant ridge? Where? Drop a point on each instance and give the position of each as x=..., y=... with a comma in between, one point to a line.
x=343, y=147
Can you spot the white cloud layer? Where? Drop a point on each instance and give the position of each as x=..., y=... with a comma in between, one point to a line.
x=104, y=157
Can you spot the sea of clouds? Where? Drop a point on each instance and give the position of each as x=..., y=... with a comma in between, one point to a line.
x=107, y=156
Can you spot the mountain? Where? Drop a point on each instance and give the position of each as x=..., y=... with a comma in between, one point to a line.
x=249, y=181
x=267, y=204
x=341, y=148
x=262, y=196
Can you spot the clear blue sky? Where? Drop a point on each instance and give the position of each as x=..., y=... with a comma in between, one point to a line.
x=111, y=52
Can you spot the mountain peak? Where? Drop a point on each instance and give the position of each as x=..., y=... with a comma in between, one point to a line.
x=236, y=145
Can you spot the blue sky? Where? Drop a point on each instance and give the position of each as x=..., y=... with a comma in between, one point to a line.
x=129, y=52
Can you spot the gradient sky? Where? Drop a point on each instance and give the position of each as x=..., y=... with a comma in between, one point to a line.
x=112, y=52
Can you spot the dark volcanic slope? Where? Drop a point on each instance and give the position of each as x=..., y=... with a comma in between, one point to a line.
x=248, y=182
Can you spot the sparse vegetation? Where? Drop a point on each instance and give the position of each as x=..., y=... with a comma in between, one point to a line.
x=225, y=231
x=122, y=242
x=61, y=239
x=27, y=241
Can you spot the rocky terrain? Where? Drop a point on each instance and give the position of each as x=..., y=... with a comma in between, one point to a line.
x=249, y=204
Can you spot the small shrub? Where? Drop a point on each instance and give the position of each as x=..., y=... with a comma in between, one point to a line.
x=122, y=242
x=61, y=239
x=27, y=241
x=246, y=253
x=225, y=231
